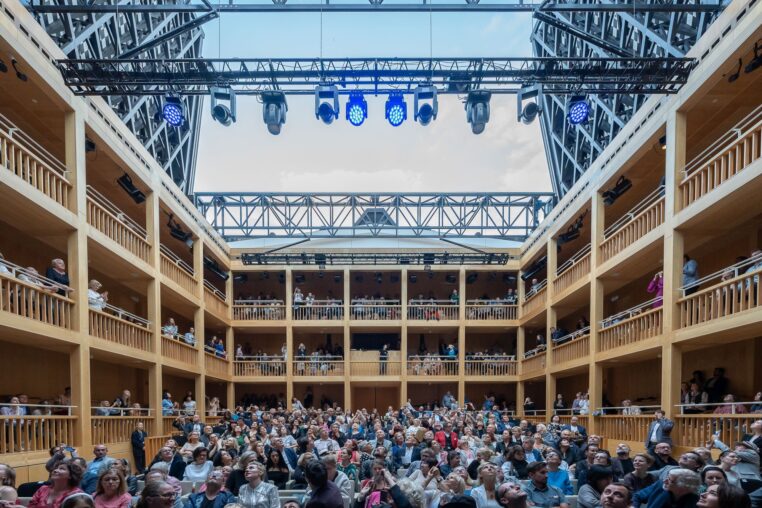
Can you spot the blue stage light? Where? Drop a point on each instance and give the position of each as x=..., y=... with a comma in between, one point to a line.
x=396, y=110
x=327, y=103
x=357, y=109
x=579, y=110
x=173, y=112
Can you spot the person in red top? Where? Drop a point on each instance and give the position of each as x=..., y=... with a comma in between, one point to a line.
x=64, y=481
x=447, y=438
x=111, y=491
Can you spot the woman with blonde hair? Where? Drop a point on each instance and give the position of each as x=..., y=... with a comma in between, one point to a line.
x=257, y=493
x=111, y=490
x=238, y=477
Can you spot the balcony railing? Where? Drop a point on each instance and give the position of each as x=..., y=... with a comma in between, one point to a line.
x=573, y=346
x=725, y=158
x=314, y=366
x=214, y=299
x=177, y=270
x=535, y=298
x=375, y=310
x=630, y=326
x=534, y=362
x=321, y=310
x=377, y=368
x=572, y=270
x=432, y=310
x=112, y=222
x=484, y=310
x=491, y=365
x=215, y=364
x=35, y=433
x=432, y=365
x=175, y=348
x=627, y=428
x=34, y=297
x=259, y=310
x=695, y=430
x=118, y=429
x=121, y=327
x=634, y=225
x=736, y=291
x=273, y=366
x=28, y=160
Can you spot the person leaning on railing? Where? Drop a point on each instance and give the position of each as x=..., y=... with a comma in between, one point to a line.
x=96, y=300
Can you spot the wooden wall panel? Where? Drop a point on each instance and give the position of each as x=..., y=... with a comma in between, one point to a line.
x=741, y=360
x=45, y=381
x=107, y=380
x=641, y=380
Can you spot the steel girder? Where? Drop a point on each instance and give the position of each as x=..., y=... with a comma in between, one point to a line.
x=571, y=149
x=109, y=34
x=511, y=216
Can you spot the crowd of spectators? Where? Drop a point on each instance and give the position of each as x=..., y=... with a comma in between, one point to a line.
x=307, y=307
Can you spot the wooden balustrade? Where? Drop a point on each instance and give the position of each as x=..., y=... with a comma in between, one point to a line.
x=215, y=302
x=576, y=348
x=123, y=232
x=631, y=330
x=432, y=366
x=581, y=420
x=259, y=368
x=319, y=311
x=534, y=301
x=494, y=366
x=625, y=428
x=377, y=368
x=491, y=309
x=167, y=427
x=312, y=367
x=31, y=301
x=215, y=364
x=178, y=272
x=118, y=429
x=634, y=229
x=732, y=158
x=35, y=433
x=257, y=311
x=573, y=273
x=433, y=311
x=697, y=430
x=174, y=349
x=380, y=311
x=726, y=298
x=119, y=330
x=536, y=362
x=47, y=177
x=154, y=444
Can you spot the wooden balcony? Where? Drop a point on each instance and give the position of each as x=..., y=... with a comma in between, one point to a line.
x=627, y=428
x=697, y=430
x=174, y=348
x=274, y=366
x=117, y=429
x=631, y=326
x=119, y=326
x=317, y=366
x=34, y=298
x=572, y=270
x=383, y=310
x=215, y=300
x=496, y=365
x=105, y=217
x=35, y=433
x=29, y=161
x=533, y=363
x=178, y=271
x=490, y=310
x=259, y=310
x=727, y=157
x=634, y=225
x=432, y=310
x=432, y=366
x=574, y=346
x=215, y=364
x=319, y=310
x=373, y=369
x=535, y=300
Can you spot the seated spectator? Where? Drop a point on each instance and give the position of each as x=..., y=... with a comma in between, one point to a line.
x=712, y=475
x=730, y=407
x=213, y=495
x=64, y=481
x=630, y=410
x=539, y=491
x=639, y=478
x=170, y=328
x=748, y=457
x=598, y=478
x=111, y=490
x=190, y=337
x=277, y=469
x=486, y=493
x=96, y=300
x=57, y=273
x=724, y=495
x=200, y=468
x=556, y=476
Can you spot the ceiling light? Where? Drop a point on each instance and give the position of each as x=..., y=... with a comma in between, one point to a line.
x=477, y=110
x=425, y=106
x=357, y=109
x=396, y=109
x=274, y=108
x=327, y=103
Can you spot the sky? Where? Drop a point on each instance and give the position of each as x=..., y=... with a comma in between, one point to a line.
x=376, y=157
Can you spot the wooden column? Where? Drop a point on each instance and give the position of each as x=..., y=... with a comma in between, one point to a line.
x=597, y=290
x=231, y=402
x=404, y=289
x=79, y=373
x=155, y=389
x=347, y=337
x=200, y=392
x=289, y=337
x=520, y=333
x=462, y=337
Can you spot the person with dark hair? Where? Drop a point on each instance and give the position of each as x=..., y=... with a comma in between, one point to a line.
x=712, y=475
x=724, y=495
x=598, y=478
x=78, y=500
x=453, y=461
x=157, y=494
x=716, y=387
x=325, y=494
x=138, y=441
x=539, y=491
x=616, y=495
x=213, y=495
x=199, y=469
x=511, y=495
x=277, y=469
x=64, y=481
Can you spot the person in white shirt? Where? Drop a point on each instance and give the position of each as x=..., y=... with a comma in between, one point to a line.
x=97, y=301
x=325, y=444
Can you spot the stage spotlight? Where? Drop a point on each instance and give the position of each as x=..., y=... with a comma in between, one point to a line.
x=3, y=67
x=527, y=113
x=756, y=62
x=425, y=106
x=125, y=182
x=223, y=113
x=477, y=110
x=212, y=265
x=274, y=108
x=663, y=142
x=734, y=75
x=396, y=109
x=620, y=187
x=172, y=111
x=578, y=110
x=19, y=74
x=326, y=103
x=357, y=109
x=176, y=231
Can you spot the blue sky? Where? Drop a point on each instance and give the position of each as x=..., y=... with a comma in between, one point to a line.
x=310, y=156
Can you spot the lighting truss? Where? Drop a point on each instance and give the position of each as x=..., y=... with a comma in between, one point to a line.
x=508, y=216
x=376, y=75
x=370, y=258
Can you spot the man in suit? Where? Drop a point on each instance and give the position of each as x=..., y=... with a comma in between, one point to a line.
x=405, y=455
x=288, y=453
x=138, y=440
x=194, y=425
x=659, y=431
x=576, y=429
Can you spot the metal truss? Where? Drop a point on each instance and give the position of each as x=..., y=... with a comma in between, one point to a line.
x=510, y=216
x=376, y=259
x=376, y=75
x=571, y=149
x=109, y=34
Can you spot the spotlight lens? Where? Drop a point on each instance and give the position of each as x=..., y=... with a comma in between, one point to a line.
x=326, y=113
x=578, y=112
x=356, y=115
x=396, y=115
x=172, y=114
x=425, y=114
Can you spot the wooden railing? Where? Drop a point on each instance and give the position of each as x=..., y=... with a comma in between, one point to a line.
x=175, y=349
x=167, y=427
x=118, y=429
x=641, y=220
x=578, y=346
x=581, y=420
x=374, y=311
x=26, y=159
x=265, y=310
x=727, y=298
x=536, y=362
x=634, y=329
x=214, y=299
x=317, y=367
x=177, y=270
x=124, y=328
x=375, y=368
x=728, y=156
x=431, y=366
x=35, y=433
x=492, y=366
x=490, y=309
x=33, y=300
x=535, y=300
x=271, y=367
x=432, y=310
x=154, y=444
x=112, y=222
x=214, y=364
x=319, y=310
x=573, y=270
x=625, y=428
x=697, y=430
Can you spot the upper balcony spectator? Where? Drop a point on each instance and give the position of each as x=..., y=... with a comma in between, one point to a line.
x=97, y=301
x=170, y=328
x=190, y=337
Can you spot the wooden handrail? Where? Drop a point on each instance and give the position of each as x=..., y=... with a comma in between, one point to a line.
x=628, y=330
x=31, y=301
x=633, y=230
x=120, y=331
x=35, y=433
x=726, y=298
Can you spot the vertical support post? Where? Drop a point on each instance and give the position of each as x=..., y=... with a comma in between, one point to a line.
x=597, y=289
x=595, y=391
x=155, y=388
x=79, y=373
x=347, y=339
x=462, y=337
x=404, y=352
x=200, y=389
x=289, y=337
x=231, y=396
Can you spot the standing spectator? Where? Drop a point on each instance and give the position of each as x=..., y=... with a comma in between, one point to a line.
x=659, y=431
x=138, y=440
x=694, y=400
x=190, y=337
x=170, y=329
x=657, y=286
x=690, y=275
x=716, y=386
x=383, y=357
x=57, y=273
x=189, y=406
x=96, y=300
x=167, y=407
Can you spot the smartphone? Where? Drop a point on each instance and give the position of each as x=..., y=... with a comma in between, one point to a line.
x=69, y=448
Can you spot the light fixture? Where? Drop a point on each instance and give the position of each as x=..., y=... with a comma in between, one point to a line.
x=19, y=74
x=221, y=112
x=396, y=109
x=274, y=108
x=477, y=110
x=620, y=187
x=357, y=109
x=241, y=277
x=172, y=111
x=211, y=265
x=425, y=106
x=756, y=62
x=327, y=103
x=526, y=113
x=663, y=142
x=571, y=233
x=734, y=75
x=125, y=182
x=3, y=67
x=89, y=145
x=177, y=231
x=578, y=110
